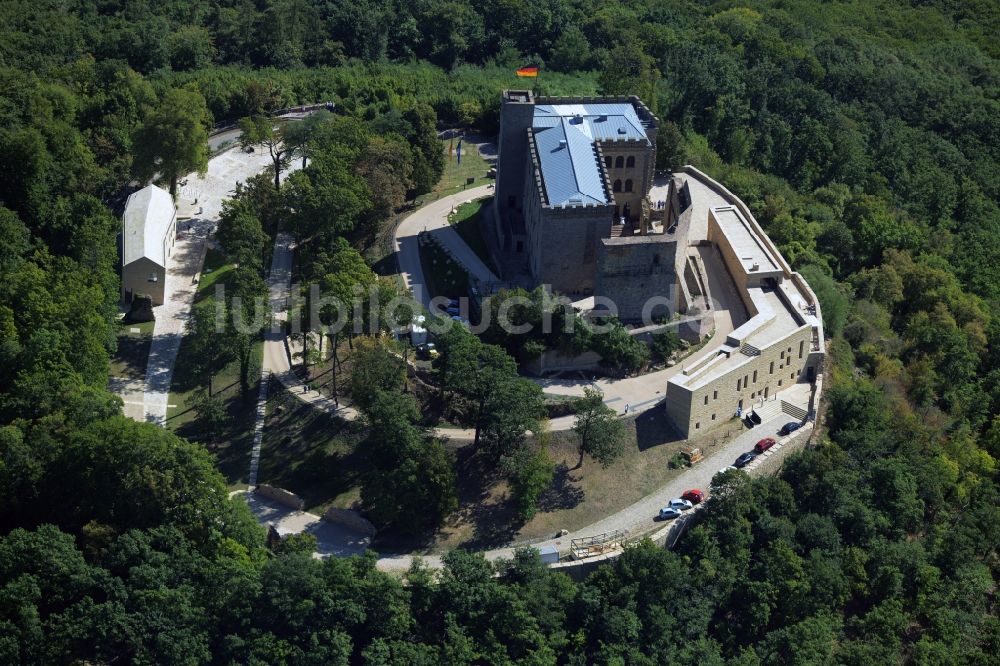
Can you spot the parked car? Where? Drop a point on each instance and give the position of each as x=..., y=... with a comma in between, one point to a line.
x=744, y=460
x=427, y=351
x=668, y=513
x=727, y=468
x=789, y=428
x=764, y=444
x=681, y=504
x=694, y=496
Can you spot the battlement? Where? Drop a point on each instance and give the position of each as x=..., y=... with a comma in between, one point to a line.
x=641, y=109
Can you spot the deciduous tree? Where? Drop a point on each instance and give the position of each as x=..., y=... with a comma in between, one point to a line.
x=601, y=434
x=173, y=138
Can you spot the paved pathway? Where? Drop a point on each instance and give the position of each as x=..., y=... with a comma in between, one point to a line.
x=258, y=428
x=331, y=539
x=434, y=218
x=201, y=198
x=638, y=519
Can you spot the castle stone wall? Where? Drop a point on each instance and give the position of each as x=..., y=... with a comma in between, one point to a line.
x=632, y=270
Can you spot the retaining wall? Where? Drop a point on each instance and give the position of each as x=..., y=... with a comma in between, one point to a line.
x=352, y=520
x=281, y=496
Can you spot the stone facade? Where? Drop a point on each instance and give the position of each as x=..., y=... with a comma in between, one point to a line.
x=563, y=247
x=566, y=244
x=629, y=168
x=697, y=409
x=637, y=274
x=779, y=345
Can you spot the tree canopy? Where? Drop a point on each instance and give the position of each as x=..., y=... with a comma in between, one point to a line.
x=862, y=135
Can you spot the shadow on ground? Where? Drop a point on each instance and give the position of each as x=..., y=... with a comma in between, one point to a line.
x=309, y=452
x=562, y=494
x=653, y=428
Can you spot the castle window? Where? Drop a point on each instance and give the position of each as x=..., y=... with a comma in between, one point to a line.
x=715, y=395
x=630, y=162
x=706, y=399
x=772, y=367
x=754, y=376
x=618, y=185
x=607, y=162
x=619, y=162
x=628, y=185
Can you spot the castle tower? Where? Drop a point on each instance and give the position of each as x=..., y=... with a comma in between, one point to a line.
x=516, y=112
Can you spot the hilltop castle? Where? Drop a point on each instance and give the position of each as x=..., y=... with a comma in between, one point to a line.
x=577, y=198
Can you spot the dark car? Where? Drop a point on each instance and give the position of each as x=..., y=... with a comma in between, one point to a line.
x=789, y=428
x=764, y=444
x=744, y=460
x=427, y=351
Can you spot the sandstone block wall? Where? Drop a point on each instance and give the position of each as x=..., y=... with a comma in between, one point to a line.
x=778, y=367
x=562, y=245
x=635, y=269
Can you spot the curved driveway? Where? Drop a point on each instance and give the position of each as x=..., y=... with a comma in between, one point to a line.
x=641, y=392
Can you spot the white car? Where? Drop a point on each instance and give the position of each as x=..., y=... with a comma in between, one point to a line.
x=727, y=468
x=680, y=504
x=669, y=513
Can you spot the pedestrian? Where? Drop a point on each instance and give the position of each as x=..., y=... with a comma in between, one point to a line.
x=627, y=407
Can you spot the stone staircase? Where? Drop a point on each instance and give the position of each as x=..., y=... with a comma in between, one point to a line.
x=772, y=409
x=794, y=410
x=769, y=410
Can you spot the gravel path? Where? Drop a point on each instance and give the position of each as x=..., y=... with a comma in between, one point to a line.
x=638, y=519
x=202, y=198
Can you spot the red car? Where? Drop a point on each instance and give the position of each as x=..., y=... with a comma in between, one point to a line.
x=763, y=445
x=694, y=496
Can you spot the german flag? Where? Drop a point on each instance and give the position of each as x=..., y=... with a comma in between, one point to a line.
x=528, y=72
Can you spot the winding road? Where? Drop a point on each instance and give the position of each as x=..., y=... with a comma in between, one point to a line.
x=641, y=393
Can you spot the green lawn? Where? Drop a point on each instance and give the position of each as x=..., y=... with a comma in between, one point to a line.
x=215, y=269
x=311, y=453
x=467, y=221
x=454, y=177
x=232, y=447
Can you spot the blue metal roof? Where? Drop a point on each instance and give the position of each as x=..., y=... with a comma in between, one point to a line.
x=565, y=136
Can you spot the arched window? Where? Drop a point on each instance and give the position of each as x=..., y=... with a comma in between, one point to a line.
x=619, y=162
x=628, y=185
x=607, y=162
x=618, y=185
x=630, y=162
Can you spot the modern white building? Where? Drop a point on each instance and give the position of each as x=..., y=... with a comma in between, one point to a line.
x=149, y=231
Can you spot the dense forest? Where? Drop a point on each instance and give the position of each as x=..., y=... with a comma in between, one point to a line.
x=865, y=136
